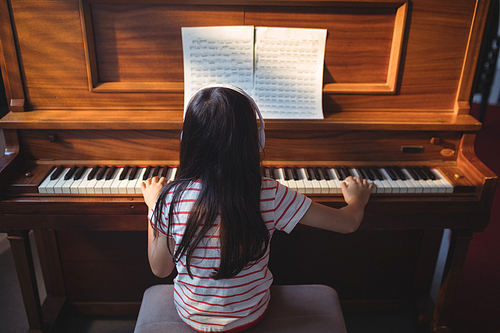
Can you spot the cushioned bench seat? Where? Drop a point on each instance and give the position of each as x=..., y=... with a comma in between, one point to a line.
x=294, y=308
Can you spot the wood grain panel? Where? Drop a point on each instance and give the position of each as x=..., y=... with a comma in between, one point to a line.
x=281, y=145
x=374, y=147
x=359, y=40
x=52, y=52
x=143, y=43
x=101, y=145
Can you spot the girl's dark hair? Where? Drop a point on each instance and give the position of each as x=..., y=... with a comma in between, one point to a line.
x=220, y=147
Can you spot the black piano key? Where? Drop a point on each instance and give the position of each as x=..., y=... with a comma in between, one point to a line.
x=310, y=173
x=295, y=173
x=164, y=171
x=71, y=172
x=362, y=173
x=270, y=172
x=391, y=173
x=369, y=172
x=133, y=173
x=124, y=173
x=79, y=172
x=347, y=172
x=340, y=172
x=421, y=173
x=57, y=172
x=93, y=172
x=413, y=173
x=273, y=173
x=377, y=173
x=100, y=174
x=156, y=170
x=398, y=172
x=429, y=173
x=317, y=176
x=110, y=173
x=326, y=174
x=146, y=174
x=265, y=171
x=287, y=173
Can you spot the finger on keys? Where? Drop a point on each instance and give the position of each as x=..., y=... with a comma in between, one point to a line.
x=356, y=189
x=151, y=188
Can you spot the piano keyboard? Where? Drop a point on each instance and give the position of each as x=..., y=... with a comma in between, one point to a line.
x=102, y=179
x=391, y=179
x=307, y=180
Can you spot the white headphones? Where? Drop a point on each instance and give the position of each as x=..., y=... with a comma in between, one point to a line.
x=262, y=135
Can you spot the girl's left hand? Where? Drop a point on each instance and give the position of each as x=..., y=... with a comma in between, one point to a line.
x=151, y=189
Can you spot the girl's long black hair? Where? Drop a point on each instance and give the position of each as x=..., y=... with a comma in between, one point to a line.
x=220, y=147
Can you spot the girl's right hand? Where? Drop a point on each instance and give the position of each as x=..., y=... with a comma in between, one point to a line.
x=151, y=189
x=356, y=190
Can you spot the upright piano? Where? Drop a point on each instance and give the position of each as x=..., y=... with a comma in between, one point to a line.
x=99, y=84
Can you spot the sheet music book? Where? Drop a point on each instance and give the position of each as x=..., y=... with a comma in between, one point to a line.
x=281, y=68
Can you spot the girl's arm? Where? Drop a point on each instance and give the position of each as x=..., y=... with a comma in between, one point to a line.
x=346, y=219
x=160, y=259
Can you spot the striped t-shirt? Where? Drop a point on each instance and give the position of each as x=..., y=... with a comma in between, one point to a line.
x=209, y=305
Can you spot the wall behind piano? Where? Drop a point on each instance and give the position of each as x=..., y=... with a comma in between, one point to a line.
x=476, y=305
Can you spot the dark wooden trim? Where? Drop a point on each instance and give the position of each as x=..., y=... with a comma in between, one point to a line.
x=9, y=64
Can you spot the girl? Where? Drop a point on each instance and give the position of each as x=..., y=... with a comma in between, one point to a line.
x=214, y=222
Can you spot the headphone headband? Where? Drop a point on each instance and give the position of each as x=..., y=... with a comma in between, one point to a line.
x=262, y=137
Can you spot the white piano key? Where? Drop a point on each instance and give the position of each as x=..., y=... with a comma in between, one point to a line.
x=66, y=186
x=301, y=185
x=307, y=184
x=84, y=184
x=292, y=183
x=383, y=186
x=106, y=187
x=58, y=187
x=114, y=188
x=122, y=186
x=415, y=182
x=171, y=174
x=92, y=184
x=312, y=185
x=325, y=188
x=137, y=187
x=280, y=176
x=448, y=187
x=75, y=186
x=393, y=184
x=426, y=187
x=334, y=183
x=131, y=184
x=409, y=182
x=98, y=186
x=432, y=185
x=47, y=186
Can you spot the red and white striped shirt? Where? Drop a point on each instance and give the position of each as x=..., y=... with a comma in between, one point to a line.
x=209, y=305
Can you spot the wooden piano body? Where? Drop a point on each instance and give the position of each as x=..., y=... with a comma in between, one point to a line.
x=100, y=82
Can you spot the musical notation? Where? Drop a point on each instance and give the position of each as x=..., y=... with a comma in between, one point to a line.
x=285, y=76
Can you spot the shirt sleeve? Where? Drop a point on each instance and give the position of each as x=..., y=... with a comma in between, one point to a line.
x=290, y=206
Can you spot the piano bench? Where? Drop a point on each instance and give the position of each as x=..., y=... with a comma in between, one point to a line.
x=293, y=308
